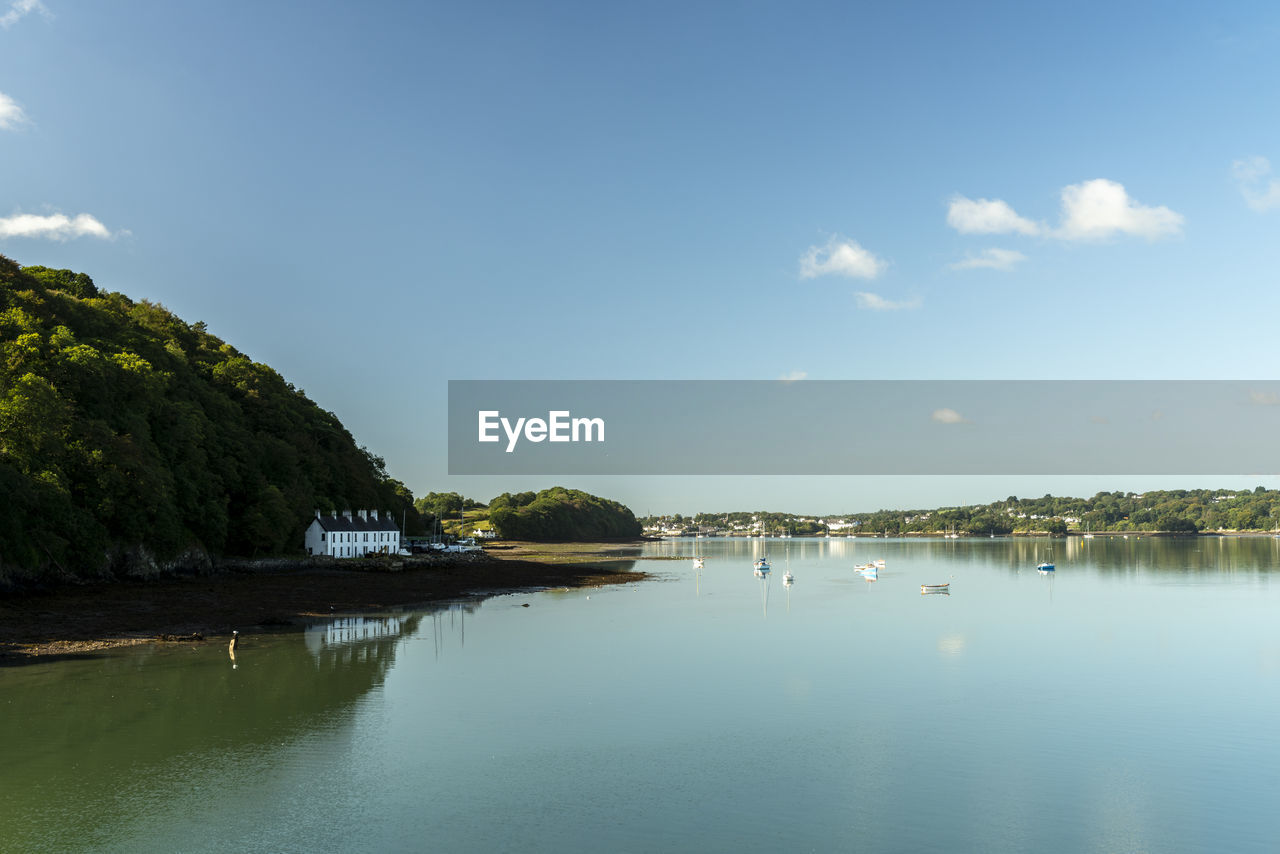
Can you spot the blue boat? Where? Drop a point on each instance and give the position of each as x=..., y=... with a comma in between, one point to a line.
x=1045, y=567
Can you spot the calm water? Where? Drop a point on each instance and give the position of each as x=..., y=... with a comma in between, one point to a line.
x=1124, y=703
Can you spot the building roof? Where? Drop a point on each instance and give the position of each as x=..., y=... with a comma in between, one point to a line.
x=355, y=523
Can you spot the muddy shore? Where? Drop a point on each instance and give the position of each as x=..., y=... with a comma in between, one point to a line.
x=72, y=621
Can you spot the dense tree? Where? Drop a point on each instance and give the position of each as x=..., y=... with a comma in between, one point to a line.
x=122, y=426
x=506, y=499
x=440, y=504
x=560, y=514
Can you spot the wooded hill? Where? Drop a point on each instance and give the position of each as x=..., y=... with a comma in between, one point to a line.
x=127, y=434
x=560, y=514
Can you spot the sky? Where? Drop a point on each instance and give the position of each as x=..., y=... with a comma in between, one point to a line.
x=377, y=198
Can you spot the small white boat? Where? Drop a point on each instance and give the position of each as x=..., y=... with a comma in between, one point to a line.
x=1045, y=567
x=697, y=563
x=935, y=588
x=762, y=567
x=871, y=567
x=788, y=579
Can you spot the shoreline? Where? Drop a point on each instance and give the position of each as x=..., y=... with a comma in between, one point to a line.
x=938, y=535
x=78, y=620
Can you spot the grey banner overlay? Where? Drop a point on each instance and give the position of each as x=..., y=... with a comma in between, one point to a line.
x=870, y=427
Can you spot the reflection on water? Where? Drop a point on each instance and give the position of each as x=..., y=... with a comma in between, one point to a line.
x=1123, y=703
x=90, y=743
x=951, y=644
x=343, y=637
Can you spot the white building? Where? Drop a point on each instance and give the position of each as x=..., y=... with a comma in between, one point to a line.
x=352, y=536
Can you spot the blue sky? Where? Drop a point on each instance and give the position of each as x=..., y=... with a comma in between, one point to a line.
x=376, y=198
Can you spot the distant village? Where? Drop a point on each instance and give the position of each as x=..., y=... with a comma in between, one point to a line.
x=1165, y=511
x=806, y=526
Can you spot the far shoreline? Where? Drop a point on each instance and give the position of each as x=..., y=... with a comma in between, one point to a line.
x=273, y=596
x=939, y=535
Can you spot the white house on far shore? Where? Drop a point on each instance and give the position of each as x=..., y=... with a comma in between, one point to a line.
x=352, y=536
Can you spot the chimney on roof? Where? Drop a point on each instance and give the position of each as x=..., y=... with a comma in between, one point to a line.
x=317, y=512
x=364, y=515
x=346, y=513
x=373, y=514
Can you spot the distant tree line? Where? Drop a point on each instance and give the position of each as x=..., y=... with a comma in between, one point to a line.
x=1178, y=511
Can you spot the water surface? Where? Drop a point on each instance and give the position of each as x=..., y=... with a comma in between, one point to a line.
x=1122, y=703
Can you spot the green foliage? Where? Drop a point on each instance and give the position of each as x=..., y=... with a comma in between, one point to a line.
x=440, y=504
x=1055, y=527
x=560, y=515
x=121, y=426
x=506, y=499
x=76, y=284
x=988, y=523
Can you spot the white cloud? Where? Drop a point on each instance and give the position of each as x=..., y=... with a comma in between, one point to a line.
x=875, y=302
x=793, y=376
x=19, y=9
x=1097, y=209
x=11, y=115
x=987, y=216
x=1091, y=210
x=948, y=416
x=995, y=259
x=841, y=257
x=52, y=227
x=1253, y=175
